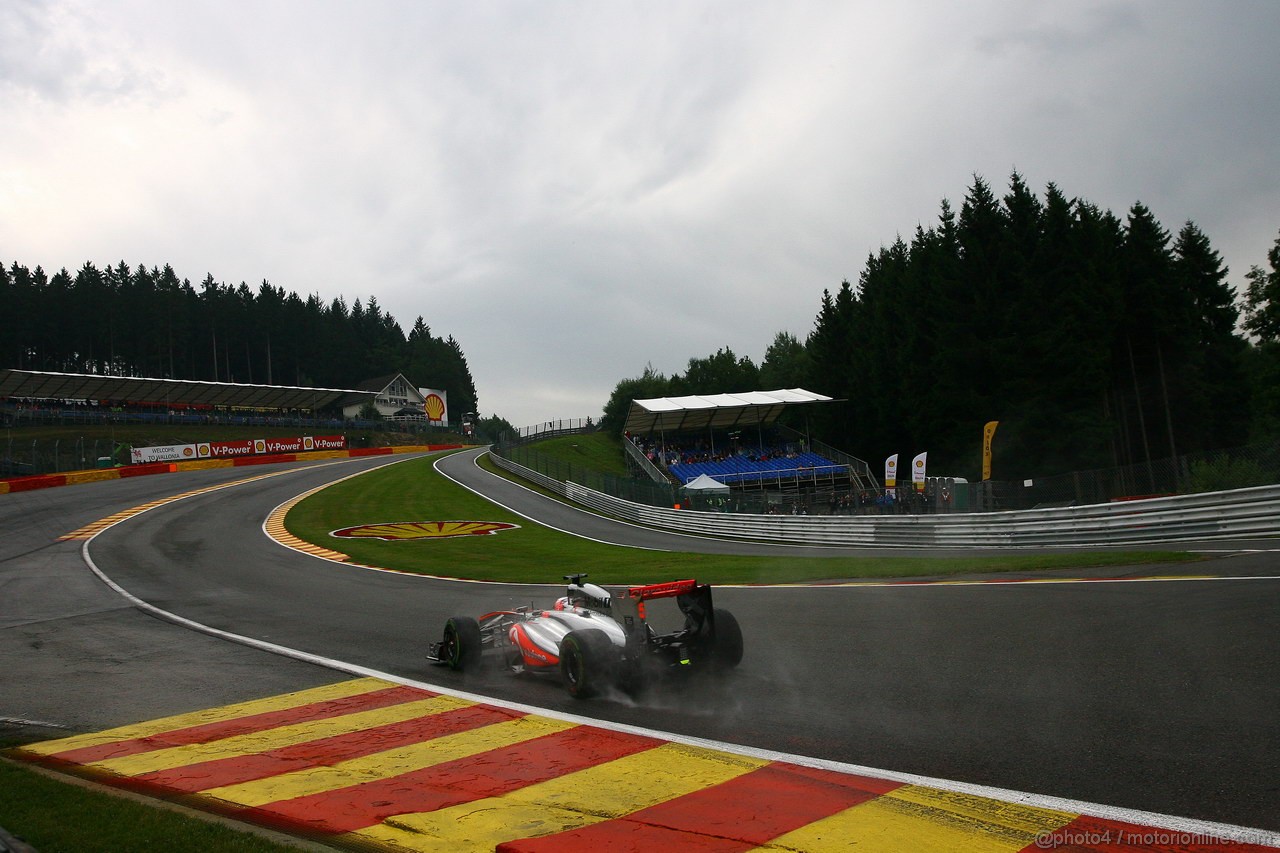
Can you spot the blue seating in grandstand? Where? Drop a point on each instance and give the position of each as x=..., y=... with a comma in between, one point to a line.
x=739, y=469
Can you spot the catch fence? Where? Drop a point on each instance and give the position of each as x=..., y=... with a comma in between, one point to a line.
x=803, y=492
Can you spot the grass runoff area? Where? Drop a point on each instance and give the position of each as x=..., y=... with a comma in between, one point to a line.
x=53, y=815
x=413, y=491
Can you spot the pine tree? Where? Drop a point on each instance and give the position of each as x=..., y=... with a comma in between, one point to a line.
x=785, y=363
x=1091, y=340
x=1262, y=319
x=10, y=343
x=1211, y=383
x=1262, y=299
x=831, y=344
x=722, y=373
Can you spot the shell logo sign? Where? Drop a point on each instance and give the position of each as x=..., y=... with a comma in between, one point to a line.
x=405, y=530
x=434, y=407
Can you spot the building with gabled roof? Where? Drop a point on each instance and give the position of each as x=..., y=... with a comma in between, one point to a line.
x=395, y=397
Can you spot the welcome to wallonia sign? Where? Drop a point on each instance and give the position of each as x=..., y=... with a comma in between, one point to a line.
x=232, y=449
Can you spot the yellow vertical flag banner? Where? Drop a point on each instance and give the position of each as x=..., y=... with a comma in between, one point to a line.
x=988, y=433
x=918, y=471
x=891, y=473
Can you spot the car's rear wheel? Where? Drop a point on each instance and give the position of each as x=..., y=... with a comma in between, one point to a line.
x=727, y=651
x=587, y=659
x=460, y=648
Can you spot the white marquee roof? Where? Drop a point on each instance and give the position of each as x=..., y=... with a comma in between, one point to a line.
x=80, y=386
x=715, y=411
x=705, y=483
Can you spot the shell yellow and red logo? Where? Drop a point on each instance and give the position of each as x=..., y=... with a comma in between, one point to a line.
x=404, y=530
x=434, y=407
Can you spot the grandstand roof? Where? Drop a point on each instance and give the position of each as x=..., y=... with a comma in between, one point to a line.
x=716, y=411
x=83, y=386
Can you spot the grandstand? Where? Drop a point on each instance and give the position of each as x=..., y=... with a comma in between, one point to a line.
x=735, y=439
x=758, y=467
x=42, y=398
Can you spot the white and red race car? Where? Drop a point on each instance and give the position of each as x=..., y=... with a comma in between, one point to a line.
x=596, y=639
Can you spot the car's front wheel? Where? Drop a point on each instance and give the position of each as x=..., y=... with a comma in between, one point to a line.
x=460, y=648
x=587, y=659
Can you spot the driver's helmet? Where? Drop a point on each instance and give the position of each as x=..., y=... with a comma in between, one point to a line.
x=564, y=603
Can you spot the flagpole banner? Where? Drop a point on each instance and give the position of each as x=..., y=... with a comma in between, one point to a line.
x=917, y=471
x=890, y=473
x=988, y=433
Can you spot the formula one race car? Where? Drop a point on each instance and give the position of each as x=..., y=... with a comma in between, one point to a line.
x=596, y=640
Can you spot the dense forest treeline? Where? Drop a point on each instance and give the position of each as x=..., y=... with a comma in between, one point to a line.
x=147, y=322
x=1094, y=342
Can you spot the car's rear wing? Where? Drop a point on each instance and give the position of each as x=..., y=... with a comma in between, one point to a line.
x=693, y=598
x=669, y=589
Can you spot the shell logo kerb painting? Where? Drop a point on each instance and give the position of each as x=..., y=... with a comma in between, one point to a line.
x=405, y=530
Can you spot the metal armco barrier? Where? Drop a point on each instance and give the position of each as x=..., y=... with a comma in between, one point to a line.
x=1235, y=514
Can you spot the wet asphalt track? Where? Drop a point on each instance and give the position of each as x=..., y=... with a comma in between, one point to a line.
x=1154, y=696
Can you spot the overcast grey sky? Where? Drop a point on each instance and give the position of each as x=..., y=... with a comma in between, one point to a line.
x=576, y=190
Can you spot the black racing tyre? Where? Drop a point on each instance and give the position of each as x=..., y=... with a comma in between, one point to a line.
x=587, y=662
x=461, y=646
x=727, y=651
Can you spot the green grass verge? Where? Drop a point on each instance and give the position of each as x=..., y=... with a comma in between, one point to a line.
x=413, y=491
x=599, y=451
x=52, y=815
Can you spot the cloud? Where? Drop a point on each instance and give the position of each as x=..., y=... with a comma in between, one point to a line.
x=1094, y=30
x=51, y=53
x=574, y=191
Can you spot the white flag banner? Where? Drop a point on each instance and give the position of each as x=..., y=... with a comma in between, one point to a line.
x=890, y=473
x=917, y=471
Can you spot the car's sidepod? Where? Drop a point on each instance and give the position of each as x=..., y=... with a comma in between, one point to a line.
x=538, y=638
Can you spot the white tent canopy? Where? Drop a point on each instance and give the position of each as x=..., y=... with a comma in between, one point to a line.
x=716, y=411
x=706, y=483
